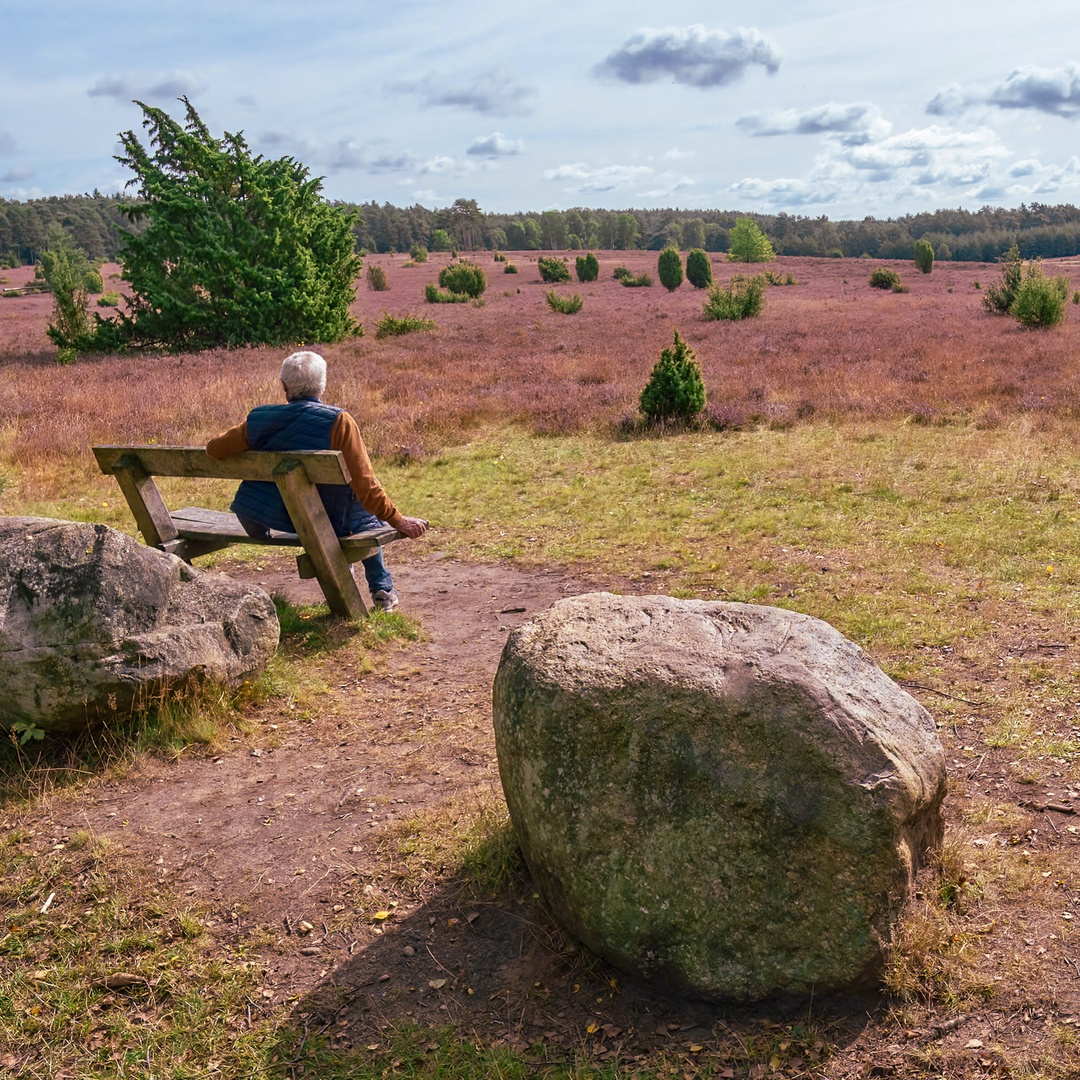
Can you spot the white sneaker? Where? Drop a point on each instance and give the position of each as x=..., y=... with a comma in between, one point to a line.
x=386, y=601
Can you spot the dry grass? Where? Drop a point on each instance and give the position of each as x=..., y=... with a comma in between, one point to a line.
x=830, y=347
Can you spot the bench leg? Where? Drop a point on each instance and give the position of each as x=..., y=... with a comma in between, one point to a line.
x=320, y=541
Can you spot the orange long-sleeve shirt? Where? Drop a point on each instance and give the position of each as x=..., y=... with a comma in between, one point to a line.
x=344, y=436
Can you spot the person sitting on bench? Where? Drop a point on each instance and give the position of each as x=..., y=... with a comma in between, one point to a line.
x=305, y=422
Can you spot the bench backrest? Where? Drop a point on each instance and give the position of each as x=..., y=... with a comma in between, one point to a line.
x=320, y=466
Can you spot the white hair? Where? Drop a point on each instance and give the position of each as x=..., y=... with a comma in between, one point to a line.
x=304, y=375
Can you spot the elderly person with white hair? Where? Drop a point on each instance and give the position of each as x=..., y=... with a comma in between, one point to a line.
x=305, y=422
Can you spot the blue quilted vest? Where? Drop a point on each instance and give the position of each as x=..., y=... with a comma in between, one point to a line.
x=302, y=424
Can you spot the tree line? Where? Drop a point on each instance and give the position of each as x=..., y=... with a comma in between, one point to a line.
x=96, y=222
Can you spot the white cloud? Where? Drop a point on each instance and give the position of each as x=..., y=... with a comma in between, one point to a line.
x=7, y=143
x=440, y=163
x=1049, y=90
x=17, y=175
x=929, y=163
x=675, y=154
x=855, y=123
x=787, y=192
x=691, y=55
x=581, y=177
x=495, y=145
x=494, y=92
x=146, y=87
x=1026, y=168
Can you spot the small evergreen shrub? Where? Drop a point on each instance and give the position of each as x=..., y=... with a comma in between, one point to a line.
x=376, y=279
x=998, y=299
x=900, y=287
x=924, y=256
x=620, y=273
x=742, y=299
x=587, y=267
x=109, y=299
x=1076, y=297
x=510, y=268
x=463, y=277
x=641, y=281
x=675, y=392
x=565, y=305
x=433, y=295
x=499, y=257
x=394, y=325
x=698, y=269
x=669, y=267
x=418, y=253
x=93, y=282
x=884, y=278
x=553, y=270
x=1040, y=301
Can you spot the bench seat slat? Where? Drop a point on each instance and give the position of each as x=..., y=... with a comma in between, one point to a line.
x=198, y=523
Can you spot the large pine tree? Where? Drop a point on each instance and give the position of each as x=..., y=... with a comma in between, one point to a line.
x=238, y=250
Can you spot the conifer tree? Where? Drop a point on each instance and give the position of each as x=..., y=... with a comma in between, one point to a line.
x=675, y=391
x=238, y=250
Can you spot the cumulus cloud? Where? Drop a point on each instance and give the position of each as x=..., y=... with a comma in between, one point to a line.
x=1026, y=168
x=691, y=55
x=951, y=100
x=1049, y=90
x=855, y=123
x=344, y=154
x=495, y=145
x=494, y=92
x=129, y=87
x=17, y=175
x=937, y=162
x=350, y=155
x=582, y=177
x=675, y=154
x=928, y=155
x=787, y=192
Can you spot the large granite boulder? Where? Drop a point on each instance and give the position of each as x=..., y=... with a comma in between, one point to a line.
x=93, y=624
x=727, y=798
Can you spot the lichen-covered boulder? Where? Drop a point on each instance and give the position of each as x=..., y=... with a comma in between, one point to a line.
x=93, y=624
x=727, y=798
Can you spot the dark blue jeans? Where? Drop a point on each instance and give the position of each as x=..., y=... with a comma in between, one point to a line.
x=375, y=571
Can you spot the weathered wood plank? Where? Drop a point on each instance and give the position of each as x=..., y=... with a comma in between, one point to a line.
x=354, y=553
x=198, y=523
x=144, y=501
x=321, y=466
x=307, y=513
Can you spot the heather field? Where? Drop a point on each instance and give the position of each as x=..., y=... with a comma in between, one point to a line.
x=828, y=348
x=901, y=464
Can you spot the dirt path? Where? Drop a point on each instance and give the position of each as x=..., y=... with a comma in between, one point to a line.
x=291, y=837
x=294, y=843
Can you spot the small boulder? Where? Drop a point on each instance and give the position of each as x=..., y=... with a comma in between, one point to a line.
x=93, y=624
x=731, y=799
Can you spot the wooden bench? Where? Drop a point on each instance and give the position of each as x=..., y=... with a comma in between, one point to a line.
x=193, y=531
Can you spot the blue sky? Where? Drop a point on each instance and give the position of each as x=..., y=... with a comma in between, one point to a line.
x=810, y=107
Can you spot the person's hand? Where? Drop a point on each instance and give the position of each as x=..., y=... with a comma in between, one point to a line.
x=413, y=528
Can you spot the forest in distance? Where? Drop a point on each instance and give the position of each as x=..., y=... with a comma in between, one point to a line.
x=97, y=223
